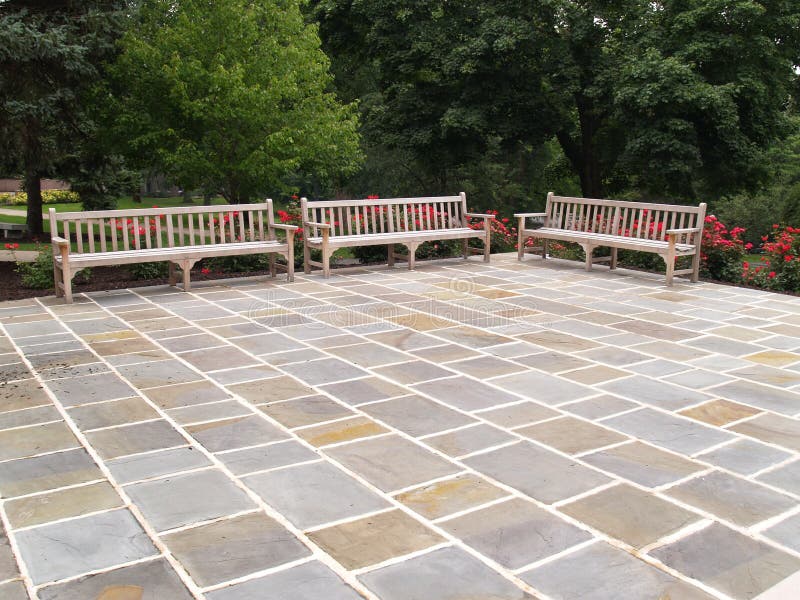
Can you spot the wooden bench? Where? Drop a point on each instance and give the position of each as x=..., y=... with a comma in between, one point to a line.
x=332, y=224
x=181, y=235
x=665, y=229
x=18, y=229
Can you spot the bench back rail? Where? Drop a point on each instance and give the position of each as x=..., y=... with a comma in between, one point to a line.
x=116, y=230
x=395, y=215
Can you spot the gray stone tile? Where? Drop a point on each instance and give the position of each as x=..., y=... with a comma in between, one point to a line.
x=363, y=390
x=736, y=500
x=132, y=439
x=152, y=374
x=391, y=462
x=630, y=514
x=617, y=357
x=313, y=494
x=191, y=342
x=515, y=533
x=29, y=416
x=235, y=433
x=233, y=548
x=728, y=561
x=471, y=439
x=88, y=389
x=309, y=581
x=773, y=429
x=787, y=532
x=266, y=343
x=271, y=390
x=14, y=371
x=215, y=411
x=745, y=456
x=241, y=374
x=602, y=572
x=262, y=458
x=36, y=439
x=466, y=394
x=30, y=475
x=71, y=548
x=155, y=464
x=547, y=389
x=643, y=464
x=186, y=394
x=600, y=406
x=786, y=477
x=115, y=412
x=655, y=393
x=8, y=565
x=61, y=504
x=723, y=345
x=697, y=378
x=762, y=396
x=571, y=435
x=673, y=433
x=189, y=498
x=369, y=355
x=215, y=359
x=306, y=411
x=521, y=413
x=22, y=330
x=416, y=416
x=512, y=466
x=445, y=574
x=13, y=590
x=152, y=580
x=414, y=371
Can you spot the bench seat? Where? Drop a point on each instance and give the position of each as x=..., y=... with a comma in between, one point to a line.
x=377, y=239
x=612, y=241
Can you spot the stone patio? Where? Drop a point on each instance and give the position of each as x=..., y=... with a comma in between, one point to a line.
x=489, y=432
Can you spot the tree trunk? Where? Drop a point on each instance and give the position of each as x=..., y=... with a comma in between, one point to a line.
x=187, y=197
x=582, y=153
x=207, y=198
x=33, y=187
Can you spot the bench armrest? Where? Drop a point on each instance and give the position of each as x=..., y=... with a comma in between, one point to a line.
x=685, y=230
x=480, y=216
x=318, y=225
x=285, y=227
x=525, y=215
x=60, y=242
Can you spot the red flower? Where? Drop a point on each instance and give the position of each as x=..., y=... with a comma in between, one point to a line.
x=205, y=271
x=771, y=275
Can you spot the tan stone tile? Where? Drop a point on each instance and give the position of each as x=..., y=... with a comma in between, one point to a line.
x=743, y=334
x=108, y=414
x=670, y=296
x=495, y=293
x=559, y=341
x=111, y=336
x=720, y=412
x=71, y=502
x=774, y=429
x=272, y=390
x=790, y=330
x=374, y=539
x=126, y=346
x=305, y=411
x=453, y=495
x=571, y=435
x=631, y=515
x=449, y=352
x=341, y=431
x=421, y=321
x=36, y=439
x=25, y=393
x=594, y=375
x=486, y=366
x=774, y=358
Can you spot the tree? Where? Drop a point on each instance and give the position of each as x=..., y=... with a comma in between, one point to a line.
x=230, y=96
x=50, y=56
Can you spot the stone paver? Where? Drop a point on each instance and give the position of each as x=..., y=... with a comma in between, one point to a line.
x=458, y=431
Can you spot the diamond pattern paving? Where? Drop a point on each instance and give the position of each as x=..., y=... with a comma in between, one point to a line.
x=493, y=432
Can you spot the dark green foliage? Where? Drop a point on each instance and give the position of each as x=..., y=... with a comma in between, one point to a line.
x=37, y=275
x=150, y=270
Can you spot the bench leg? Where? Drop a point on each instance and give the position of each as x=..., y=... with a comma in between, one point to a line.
x=173, y=279
x=326, y=263
x=306, y=259
x=66, y=275
x=272, y=270
x=589, y=250
x=544, y=249
x=466, y=249
x=487, y=244
x=186, y=266
x=58, y=279
x=669, y=258
x=696, y=267
x=412, y=254
x=613, y=258
x=390, y=255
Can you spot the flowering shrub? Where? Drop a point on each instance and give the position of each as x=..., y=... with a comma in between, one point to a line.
x=781, y=263
x=37, y=275
x=48, y=197
x=504, y=237
x=722, y=251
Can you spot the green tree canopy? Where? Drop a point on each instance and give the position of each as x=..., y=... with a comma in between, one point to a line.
x=230, y=96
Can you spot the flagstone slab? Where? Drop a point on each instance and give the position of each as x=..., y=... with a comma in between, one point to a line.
x=234, y=548
x=132, y=439
x=306, y=411
x=416, y=416
x=71, y=548
x=369, y=354
x=738, y=565
x=745, y=456
x=453, y=495
x=8, y=565
x=599, y=406
x=36, y=439
x=667, y=431
x=188, y=498
x=29, y=416
x=469, y=440
x=773, y=429
x=445, y=574
x=540, y=387
x=720, y=412
x=128, y=469
x=521, y=413
x=391, y=462
x=630, y=515
x=736, y=500
x=761, y=396
x=92, y=388
x=466, y=394
x=515, y=533
x=374, y=539
x=238, y=432
x=571, y=435
x=655, y=393
x=109, y=414
x=40, y=473
x=411, y=372
x=786, y=477
x=13, y=590
x=308, y=581
x=61, y=504
x=215, y=411
x=537, y=472
x=446, y=353
x=787, y=532
x=405, y=339
x=364, y=390
x=341, y=431
x=158, y=373
x=310, y=495
x=603, y=572
x=643, y=464
x=326, y=370
x=270, y=456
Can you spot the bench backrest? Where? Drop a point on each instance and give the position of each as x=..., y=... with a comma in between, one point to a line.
x=617, y=217
x=132, y=229
x=360, y=217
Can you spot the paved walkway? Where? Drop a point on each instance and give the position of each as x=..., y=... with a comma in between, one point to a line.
x=462, y=431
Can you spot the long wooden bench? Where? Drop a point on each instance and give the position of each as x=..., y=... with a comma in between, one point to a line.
x=180, y=235
x=332, y=224
x=665, y=229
